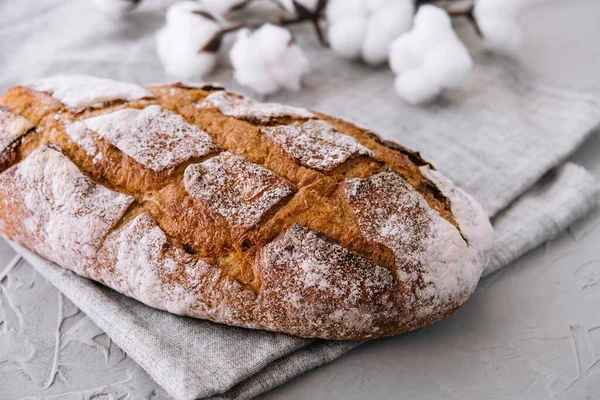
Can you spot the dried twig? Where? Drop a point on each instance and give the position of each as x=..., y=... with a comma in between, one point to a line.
x=302, y=15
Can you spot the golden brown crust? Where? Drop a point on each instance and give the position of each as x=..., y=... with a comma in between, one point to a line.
x=271, y=241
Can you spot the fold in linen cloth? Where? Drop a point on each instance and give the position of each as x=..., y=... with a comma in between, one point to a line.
x=560, y=198
x=497, y=136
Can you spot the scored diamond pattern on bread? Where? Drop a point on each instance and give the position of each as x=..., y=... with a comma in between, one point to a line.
x=204, y=203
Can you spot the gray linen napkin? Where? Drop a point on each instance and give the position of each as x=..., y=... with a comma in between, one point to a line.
x=496, y=136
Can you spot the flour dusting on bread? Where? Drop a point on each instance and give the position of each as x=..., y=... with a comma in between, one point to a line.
x=149, y=267
x=240, y=191
x=154, y=136
x=81, y=91
x=250, y=110
x=469, y=214
x=142, y=256
x=67, y=213
x=310, y=279
x=12, y=127
x=316, y=144
x=431, y=255
x=80, y=134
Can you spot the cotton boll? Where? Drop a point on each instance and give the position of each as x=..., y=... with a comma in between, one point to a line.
x=498, y=21
x=338, y=10
x=500, y=34
x=415, y=87
x=405, y=54
x=430, y=25
x=365, y=28
x=432, y=18
x=346, y=37
x=181, y=58
x=293, y=62
x=116, y=7
x=429, y=58
x=267, y=60
x=185, y=13
x=376, y=5
x=448, y=65
x=242, y=53
x=272, y=42
x=383, y=27
x=190, y=67
x=249, y=65
x=179, y=42
x=257, y=80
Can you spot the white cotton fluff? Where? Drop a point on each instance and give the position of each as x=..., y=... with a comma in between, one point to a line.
x=364, y=29
x=115, y=7
x=429, y=58
x=178, y=43
x=267, y=60
x=498, y=21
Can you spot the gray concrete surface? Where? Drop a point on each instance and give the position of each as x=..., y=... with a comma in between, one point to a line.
x=531, y=331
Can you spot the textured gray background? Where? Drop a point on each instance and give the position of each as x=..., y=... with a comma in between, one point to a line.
x=531, y=331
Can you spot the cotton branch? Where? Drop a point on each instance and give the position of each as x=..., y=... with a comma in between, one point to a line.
x=302, y=15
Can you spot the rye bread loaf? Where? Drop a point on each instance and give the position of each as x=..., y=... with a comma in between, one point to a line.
x=204, y=203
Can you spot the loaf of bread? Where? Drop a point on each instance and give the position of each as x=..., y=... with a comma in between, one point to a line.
x=204, y=203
